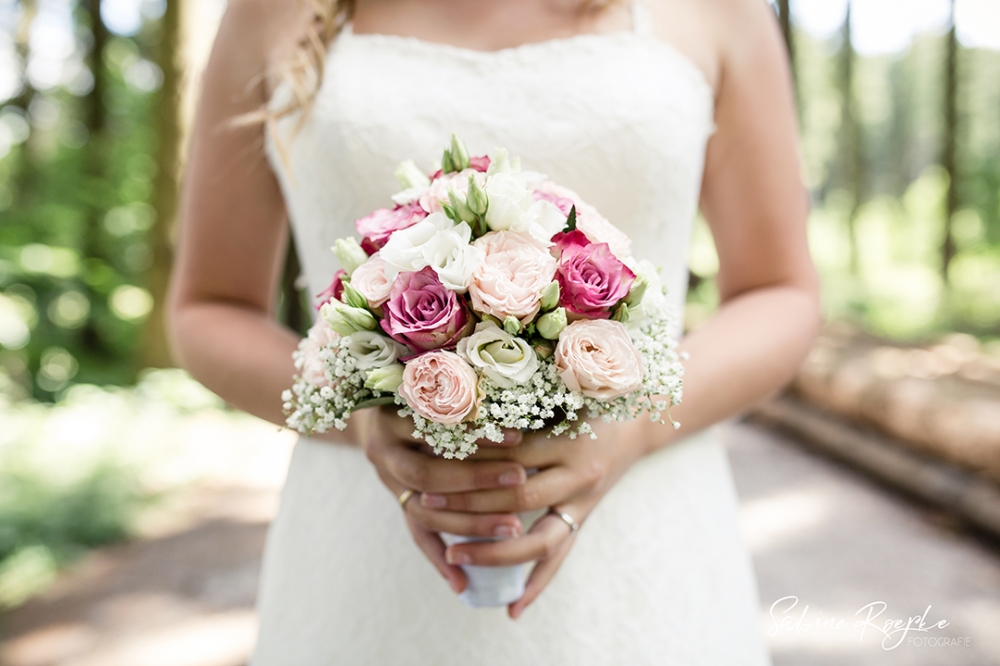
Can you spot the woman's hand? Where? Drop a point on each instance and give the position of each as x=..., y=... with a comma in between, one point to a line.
x=573, y=476
x=388, y=443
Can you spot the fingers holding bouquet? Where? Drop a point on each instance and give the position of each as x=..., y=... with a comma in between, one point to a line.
x=489, y=300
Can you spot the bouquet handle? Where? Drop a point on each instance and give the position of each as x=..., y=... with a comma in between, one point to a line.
x=491, y=587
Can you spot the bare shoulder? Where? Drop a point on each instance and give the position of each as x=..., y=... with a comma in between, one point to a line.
x=715, y=34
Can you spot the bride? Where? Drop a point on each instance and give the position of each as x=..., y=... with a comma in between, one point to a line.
x=648, y=110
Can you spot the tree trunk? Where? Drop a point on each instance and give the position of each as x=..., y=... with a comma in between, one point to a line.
x=950, y=149
x=96, y=120
x=785, y=19
x=156, y=351
x=852, y=140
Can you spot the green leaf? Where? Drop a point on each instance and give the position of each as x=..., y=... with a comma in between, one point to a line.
x=571, y=220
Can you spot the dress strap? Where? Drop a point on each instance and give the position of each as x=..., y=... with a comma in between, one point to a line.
x=642, y=22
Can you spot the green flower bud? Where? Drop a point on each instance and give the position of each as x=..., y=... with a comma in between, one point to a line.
x=512, y=325
x=459, y=153
x=451, y=213
x=499, y=162
x=637, y=291
x=460, y=207
x=621, y=313
x=349, y=254
x=386, y=379
x=551, y=324
x=353, y=297
x=345, y=319
x=447, y=165
x=477, y=200
x=550, y=296
x=409, y=175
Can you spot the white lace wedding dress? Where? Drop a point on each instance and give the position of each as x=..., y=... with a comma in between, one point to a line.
x=659, y=573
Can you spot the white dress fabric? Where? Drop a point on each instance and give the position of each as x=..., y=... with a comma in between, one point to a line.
x=659, y=573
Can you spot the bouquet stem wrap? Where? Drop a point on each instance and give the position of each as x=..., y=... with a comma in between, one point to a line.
x=490, y=587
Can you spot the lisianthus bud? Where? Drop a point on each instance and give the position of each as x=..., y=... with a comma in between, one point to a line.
x=349, y=254
x=512, y=325
x=345, y=319
x=460, y=207
x=621, y=313
x=353, y=297
x=550, y=296
x=551, y=324
x=637, y=291
x=385, y=379
x=476, y=199
x=447, y=164
x=459, y=153
x=409, y=175
x=499, y=163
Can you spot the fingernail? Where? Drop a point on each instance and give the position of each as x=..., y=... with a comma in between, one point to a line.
x=512, y=437
x=457, y=558
x=504, y=531
x=455, y=587
x=433, y=501
x=511, y=478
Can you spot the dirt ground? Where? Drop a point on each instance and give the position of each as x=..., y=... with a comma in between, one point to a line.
x=183, y=595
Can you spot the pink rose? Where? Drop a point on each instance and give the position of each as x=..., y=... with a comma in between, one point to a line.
x=377, y=227
x=591, y=278
x=597, y=358
x=370, y=281
x=424, y=314
x=512, y=275
x=481, y=164
x=320, y=337
x=441, y=387
x=334, y=291
x=588, y=220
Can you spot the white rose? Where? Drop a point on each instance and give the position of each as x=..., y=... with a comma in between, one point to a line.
x=404, y=250
x=451, y=256
x=509, y=201
x=374, y=350
x=370, y=280
x=506, y=359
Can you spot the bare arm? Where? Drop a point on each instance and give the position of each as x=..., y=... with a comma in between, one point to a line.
x=233, y=234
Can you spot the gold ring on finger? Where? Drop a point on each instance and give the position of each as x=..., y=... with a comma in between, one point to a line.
x=405, y=496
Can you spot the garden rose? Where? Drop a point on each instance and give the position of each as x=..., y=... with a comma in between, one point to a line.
x=320, y=336
x=591, y=278
x=597, y=358
x=377, y=227
x=512, y=275
x=424, y=314
x=506, y=359
x=371, y=282
x=588, y=220
x=441, y=387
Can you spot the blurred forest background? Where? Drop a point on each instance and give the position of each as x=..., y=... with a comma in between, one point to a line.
x=901, y=151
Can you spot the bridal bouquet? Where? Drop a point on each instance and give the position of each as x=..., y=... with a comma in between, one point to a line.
x=486, y=297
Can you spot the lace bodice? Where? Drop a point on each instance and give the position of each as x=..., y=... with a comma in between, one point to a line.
x=622, y=118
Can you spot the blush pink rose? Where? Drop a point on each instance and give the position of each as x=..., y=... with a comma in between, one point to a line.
x=370, y=280
x=441, y=387
x=376, y=227
x=423, y=314
x=313, y=368
x=334, y=291
x=591, y=279
x=510, y=279
x=597, y=358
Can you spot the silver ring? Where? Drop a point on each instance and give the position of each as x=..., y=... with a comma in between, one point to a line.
x=568, y=519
